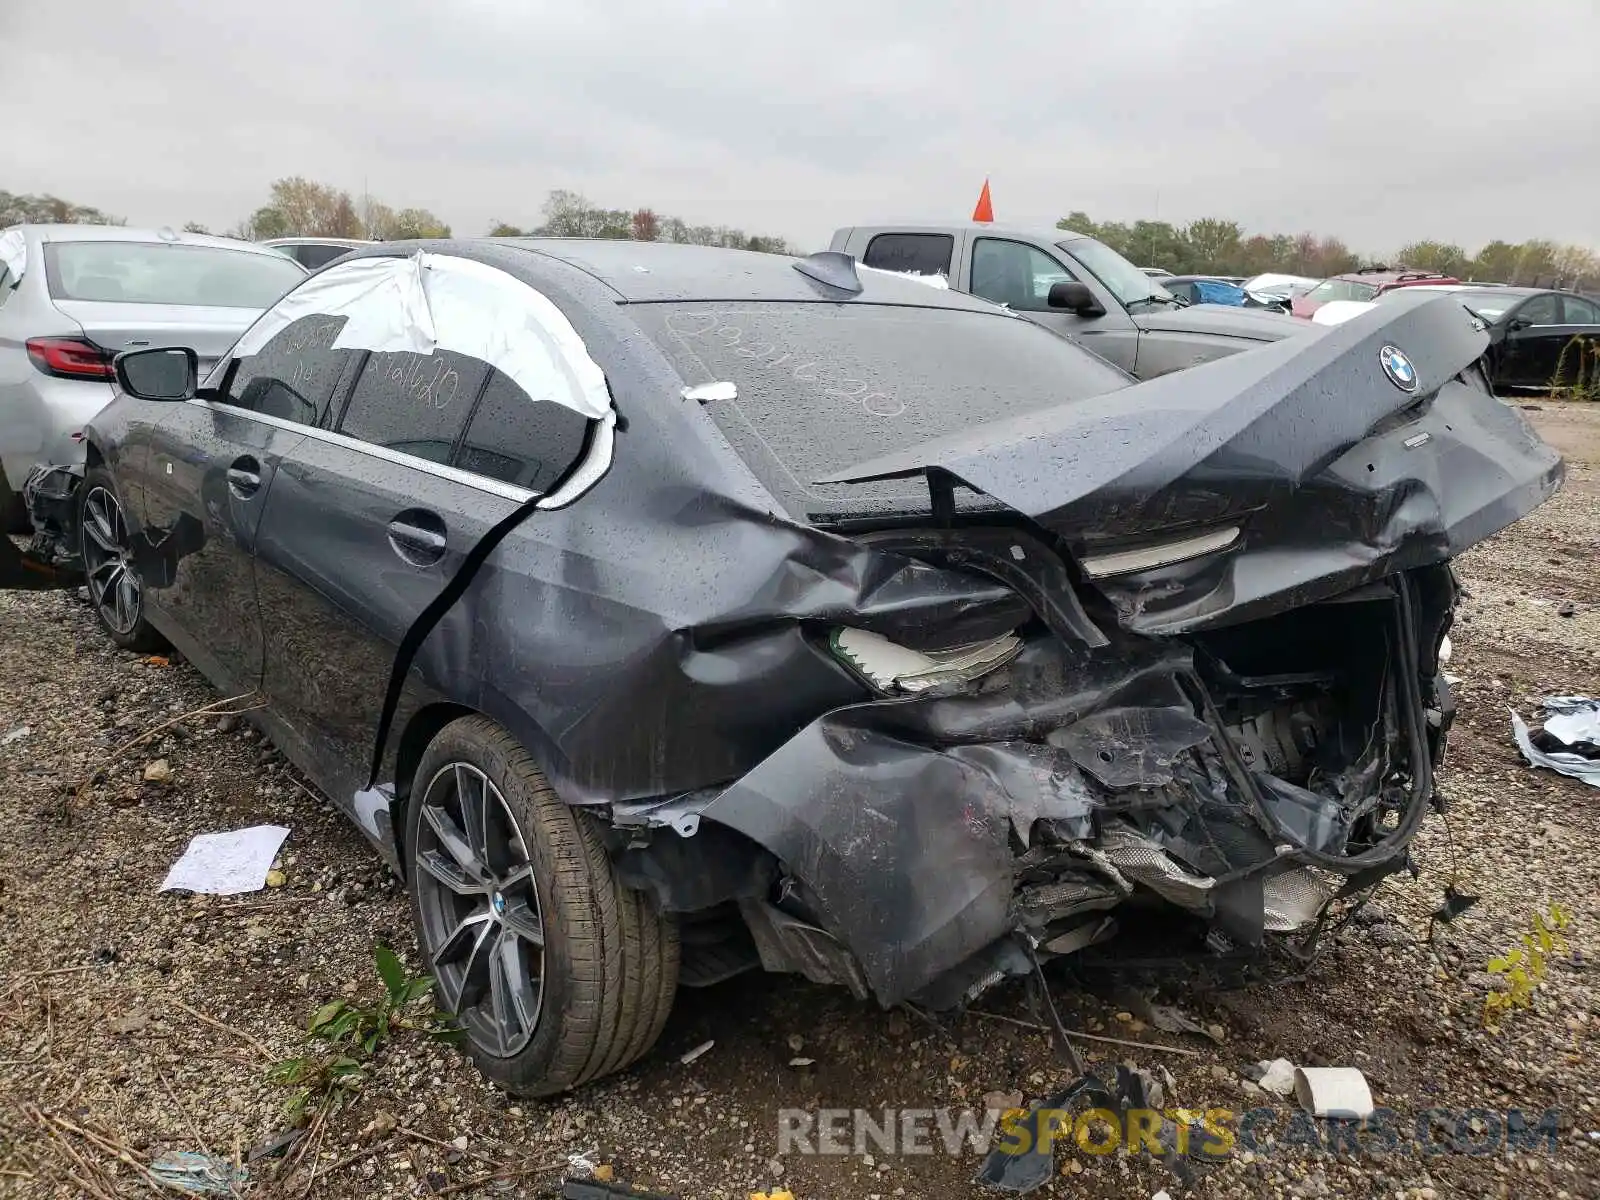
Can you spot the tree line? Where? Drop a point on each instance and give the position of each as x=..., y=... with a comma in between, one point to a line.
x=1214, y=246
x=297, y=206
x=300, y=207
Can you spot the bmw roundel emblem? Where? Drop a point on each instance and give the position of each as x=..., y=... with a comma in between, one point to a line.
x=1398, y=368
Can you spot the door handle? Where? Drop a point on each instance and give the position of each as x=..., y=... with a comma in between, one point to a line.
x=244, y=477
x=418, y=536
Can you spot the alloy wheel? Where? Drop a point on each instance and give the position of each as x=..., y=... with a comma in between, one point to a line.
x=108, y=562
x=482, y=922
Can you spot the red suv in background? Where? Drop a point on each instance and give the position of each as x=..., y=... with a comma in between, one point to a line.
x=1366, y=284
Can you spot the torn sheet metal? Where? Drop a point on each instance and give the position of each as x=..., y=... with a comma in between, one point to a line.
x=14, y=254
x=1279, y=444
x=431, y=301
x=1570, y=740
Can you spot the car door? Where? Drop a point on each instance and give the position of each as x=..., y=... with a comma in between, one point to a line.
x=367, y=524
x=1533, y=342
x=1580, y=321
x=1020, y=275
x=210, y=469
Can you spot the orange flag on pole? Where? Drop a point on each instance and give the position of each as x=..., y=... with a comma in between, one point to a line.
x=985, y=210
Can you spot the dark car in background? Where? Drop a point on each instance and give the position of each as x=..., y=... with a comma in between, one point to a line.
x=1539, y=338
x=663, y=612
x=313, y=253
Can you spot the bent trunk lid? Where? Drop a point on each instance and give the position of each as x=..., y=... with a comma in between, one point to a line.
x=1333, y=471
x=209, y=332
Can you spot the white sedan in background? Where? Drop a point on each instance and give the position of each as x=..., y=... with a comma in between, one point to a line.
x=73, y=296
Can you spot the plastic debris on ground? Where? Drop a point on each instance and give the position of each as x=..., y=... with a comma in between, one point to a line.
x=588, y=1189
x=15, y=735
x=1130, y=1089
x=186, y=1171
x=1274, y=1075
x=1569, y=742
x=225, y=864
x=1339, y=1092
x=696, y=1052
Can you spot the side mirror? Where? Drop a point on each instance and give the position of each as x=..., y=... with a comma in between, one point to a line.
x=165, y=373
x=1517, y=324
x=1074, y=297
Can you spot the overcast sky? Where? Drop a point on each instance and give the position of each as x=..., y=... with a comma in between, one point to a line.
x=1379, y=121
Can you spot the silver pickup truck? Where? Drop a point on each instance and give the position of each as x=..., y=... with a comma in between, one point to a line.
x=1075, y=285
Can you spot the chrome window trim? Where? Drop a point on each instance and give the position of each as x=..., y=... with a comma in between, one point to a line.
x=506, y=491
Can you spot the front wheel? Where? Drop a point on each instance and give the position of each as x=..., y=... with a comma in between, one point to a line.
x=115, y=589
x=556, y=973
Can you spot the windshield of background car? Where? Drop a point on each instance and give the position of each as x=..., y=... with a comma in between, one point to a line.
x=1491, y=306
x=1341, y=289
x=165, y=273
x=1121, y=278
x=822, y=387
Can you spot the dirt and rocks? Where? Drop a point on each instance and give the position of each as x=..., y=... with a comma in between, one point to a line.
x=134, y=1022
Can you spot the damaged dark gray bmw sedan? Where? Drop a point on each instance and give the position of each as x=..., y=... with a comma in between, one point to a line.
x=663, y=612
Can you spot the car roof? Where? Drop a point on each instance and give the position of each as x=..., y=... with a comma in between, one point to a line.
x=316, y=241
x=1199, y=279
x=1390, y=275
x=122, y=233
x=645, y=272
x=1038, y=233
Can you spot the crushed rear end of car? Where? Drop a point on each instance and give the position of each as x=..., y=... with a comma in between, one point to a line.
x=1198, y=672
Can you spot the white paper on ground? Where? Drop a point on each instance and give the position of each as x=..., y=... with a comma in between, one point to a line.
x=225, y=864
x=1573, y=764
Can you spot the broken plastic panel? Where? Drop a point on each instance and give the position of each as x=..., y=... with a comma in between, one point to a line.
x=892, y=668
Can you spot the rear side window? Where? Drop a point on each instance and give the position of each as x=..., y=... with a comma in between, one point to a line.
x=516, y=440
x=415, y=404
x=296, y=375
x=167, y=273
x=1578, y=311
x=917, y=253
x=314, y=256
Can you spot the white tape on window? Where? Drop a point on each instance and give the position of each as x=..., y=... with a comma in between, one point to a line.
x=429, y=302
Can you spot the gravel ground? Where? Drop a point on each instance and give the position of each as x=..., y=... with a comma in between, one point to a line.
x=134, y=1022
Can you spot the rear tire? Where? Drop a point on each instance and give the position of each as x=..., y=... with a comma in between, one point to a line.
x=116, y=593
x=603, y=968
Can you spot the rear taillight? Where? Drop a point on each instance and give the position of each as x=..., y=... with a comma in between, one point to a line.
x=72, y=358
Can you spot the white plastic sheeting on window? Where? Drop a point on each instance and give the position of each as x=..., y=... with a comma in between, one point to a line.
x=934, y=281
x=429, y=302
x=13, y=253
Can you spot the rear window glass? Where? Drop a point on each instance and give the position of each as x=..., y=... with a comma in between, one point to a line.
x=917, y=253
x=163, y=273
x=822, y=387
x=1341, y=289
